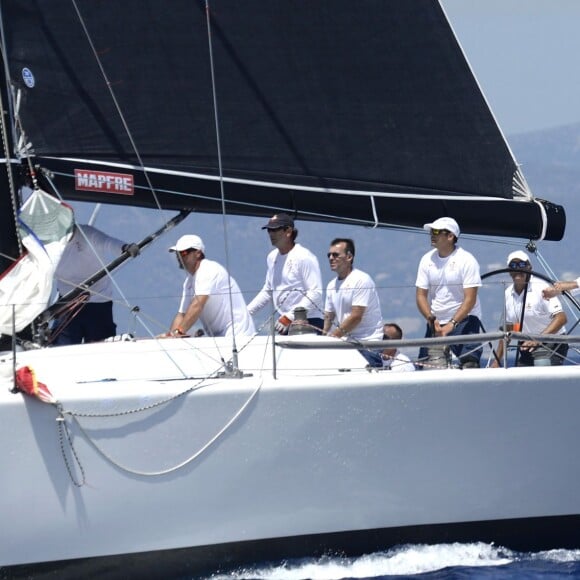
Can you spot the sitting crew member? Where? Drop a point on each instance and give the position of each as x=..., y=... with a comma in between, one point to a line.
x=81, y=259
x=540, y=316
x=206, y=295
x=392, y=358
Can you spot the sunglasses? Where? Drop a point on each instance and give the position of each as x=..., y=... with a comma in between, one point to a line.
x=184, y=253
x=334, y=255
x=519, y=265
x=437, y=232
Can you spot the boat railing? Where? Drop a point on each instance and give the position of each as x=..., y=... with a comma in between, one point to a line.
x=436, y=340
x=395, y=343
x=488, y=338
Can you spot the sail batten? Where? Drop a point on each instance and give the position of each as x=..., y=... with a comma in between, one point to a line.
x=332, y=99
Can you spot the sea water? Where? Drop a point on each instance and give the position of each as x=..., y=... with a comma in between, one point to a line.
x=441, y=562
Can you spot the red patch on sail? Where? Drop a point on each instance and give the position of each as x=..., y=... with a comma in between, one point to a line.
x=104, y=182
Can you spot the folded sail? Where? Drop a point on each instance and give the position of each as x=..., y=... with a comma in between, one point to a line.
x=26, y=288
x=360, y=112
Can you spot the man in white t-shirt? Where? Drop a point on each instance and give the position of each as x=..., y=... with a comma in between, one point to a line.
x=393, y=359
x=447, y=283
x=293, y=277
x=540, y=315
x=352, y=307
x=206, y=295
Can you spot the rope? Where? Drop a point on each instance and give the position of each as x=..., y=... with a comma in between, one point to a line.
x=75, y=417
x=64, y=433
x=68, y=314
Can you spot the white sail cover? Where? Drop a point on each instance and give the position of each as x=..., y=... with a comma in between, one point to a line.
x=25, y=289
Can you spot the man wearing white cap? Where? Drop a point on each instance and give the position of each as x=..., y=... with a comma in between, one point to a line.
x=539, y=316
x=206, y=295
x=447, y=282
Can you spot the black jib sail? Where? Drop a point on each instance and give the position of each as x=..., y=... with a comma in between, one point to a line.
x=360, y=112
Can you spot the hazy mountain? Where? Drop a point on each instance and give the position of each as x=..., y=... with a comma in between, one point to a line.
x=550, y=161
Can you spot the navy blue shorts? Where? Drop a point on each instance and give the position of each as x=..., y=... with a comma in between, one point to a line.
x=464, y=352
x=92, y=323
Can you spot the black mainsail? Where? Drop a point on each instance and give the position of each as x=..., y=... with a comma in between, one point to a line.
x=361, y=112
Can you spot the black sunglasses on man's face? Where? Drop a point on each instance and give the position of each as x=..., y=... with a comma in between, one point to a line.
x=518, y=265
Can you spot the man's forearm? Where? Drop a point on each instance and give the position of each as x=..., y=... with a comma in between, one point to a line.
x=328, y=319
x=347, y=325
x=423, y=304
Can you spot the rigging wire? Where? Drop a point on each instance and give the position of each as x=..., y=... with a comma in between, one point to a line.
x=93, y=249
x=112, y=278
x=221, y=181
x=129, y=136
x=5, y=140
x=116, y=103
x=543, y=262
x=94, y=215
x=11, y=185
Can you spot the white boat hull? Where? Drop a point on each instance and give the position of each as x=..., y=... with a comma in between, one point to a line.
x=379, y=457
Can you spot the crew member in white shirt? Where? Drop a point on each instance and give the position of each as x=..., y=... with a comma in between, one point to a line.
x=447, y=283
x=540, y=316
x=206, y=295
x=393, y=359
x=352, y=307
x=292, y=279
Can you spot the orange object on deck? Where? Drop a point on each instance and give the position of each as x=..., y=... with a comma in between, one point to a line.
x=27, y=382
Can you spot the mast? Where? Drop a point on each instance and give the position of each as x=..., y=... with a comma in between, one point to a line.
x=10, y=248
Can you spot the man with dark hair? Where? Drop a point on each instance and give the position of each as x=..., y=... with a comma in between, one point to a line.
x=392, y=358
x=352, y=303
x=348, y=245
x=293, y=277
x=447, y=282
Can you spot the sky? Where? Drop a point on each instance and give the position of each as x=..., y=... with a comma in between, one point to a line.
x=525, y=56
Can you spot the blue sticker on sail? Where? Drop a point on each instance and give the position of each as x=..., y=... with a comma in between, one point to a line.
x=28, y=77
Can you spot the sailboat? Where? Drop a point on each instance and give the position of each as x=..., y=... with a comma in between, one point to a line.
x=191, y=455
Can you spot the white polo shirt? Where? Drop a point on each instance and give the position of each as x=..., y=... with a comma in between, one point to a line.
x=445, y=280
x=539, y=311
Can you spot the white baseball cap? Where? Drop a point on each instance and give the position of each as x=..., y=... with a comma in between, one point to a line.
x=444, y=223
x=518, y=255
x=188, y=242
